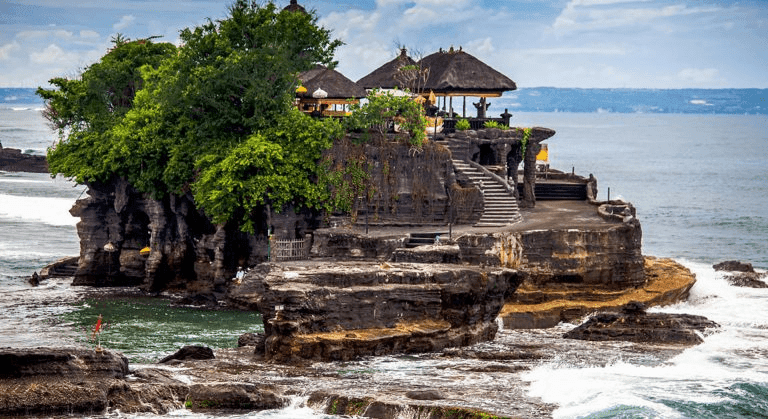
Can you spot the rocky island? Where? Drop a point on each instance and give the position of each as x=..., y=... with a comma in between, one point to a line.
x=354, y=236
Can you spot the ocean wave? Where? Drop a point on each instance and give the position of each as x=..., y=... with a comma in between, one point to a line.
x=51, y=211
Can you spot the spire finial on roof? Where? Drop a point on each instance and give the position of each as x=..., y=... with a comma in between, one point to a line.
x=403, y=52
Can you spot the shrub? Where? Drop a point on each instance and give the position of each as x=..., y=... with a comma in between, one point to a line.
x=462, y=124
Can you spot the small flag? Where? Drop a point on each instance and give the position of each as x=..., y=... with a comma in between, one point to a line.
x=96, y=329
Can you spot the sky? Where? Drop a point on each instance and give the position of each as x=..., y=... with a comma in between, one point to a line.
x=659, y=44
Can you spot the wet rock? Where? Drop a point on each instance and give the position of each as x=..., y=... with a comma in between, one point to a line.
x=198, y=300
x=189, y=352
x=148, y=391
x=240, y=396
x=734, y=266
x=48, y=382
x=37, y=362
x=34, y=280
x=741, y=274
x=633, y=324
x=424, y=395
x=343, y=311
x=256, y=340
x=13, y=160
x=747, y=279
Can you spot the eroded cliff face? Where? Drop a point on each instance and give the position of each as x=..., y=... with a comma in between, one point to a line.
x=341, y=311
x=186, y=249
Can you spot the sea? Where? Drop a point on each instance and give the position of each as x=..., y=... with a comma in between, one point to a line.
x=694, y=162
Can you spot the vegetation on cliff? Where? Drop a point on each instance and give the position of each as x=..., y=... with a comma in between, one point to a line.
x=212, y=117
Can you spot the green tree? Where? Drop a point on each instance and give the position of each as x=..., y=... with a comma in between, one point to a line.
x=214, y=118
x=85, y=110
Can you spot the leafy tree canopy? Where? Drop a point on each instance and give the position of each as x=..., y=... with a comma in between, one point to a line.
x=212, y=117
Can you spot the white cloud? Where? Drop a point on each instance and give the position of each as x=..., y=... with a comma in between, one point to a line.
x=581, y=15
x=576, y=51
x=7, y=49
x=124, y=22
x=40, y=34
x=481, y=45
x=88, y=34
x=52, y=54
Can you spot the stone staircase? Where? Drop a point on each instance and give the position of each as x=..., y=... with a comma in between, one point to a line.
x=422, y=239
x=499, y=206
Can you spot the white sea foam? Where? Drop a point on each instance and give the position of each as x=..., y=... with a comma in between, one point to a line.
x=53, y=211
x=734, y=353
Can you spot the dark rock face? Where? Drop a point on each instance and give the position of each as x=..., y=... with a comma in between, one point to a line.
x=116, y=222
x=45, y=381
x=734, y=266
x=257, y=340
x=346, y=310
x=240, y=396
x=633, y=324
x=13, y=160
x=188, y=353
x=21, y=363
x=742, y=274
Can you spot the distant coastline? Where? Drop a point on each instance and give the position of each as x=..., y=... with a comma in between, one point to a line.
x=560, y=99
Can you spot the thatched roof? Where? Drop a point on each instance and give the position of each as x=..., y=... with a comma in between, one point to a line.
x=456, y=72
x=295, y=7
x=334, y=83
x=384, y=77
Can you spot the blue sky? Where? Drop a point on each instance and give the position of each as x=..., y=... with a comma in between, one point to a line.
x=561, y=43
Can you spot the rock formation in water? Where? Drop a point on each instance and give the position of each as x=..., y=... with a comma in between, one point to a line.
x=633, y=324
x=342, y=311
x=742, y=274
x=13, y=160
x=47, y=381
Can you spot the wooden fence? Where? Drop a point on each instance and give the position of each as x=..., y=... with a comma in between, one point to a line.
x=297, y=249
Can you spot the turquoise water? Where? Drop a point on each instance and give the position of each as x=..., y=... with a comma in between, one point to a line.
x=146, y=329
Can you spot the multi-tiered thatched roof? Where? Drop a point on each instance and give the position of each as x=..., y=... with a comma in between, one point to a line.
x=386, y=76
x=457, y=73
x=335, y=84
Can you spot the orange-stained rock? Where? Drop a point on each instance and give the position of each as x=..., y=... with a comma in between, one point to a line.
x=666, y=282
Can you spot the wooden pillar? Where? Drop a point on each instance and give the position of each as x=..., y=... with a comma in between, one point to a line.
x=464, y=108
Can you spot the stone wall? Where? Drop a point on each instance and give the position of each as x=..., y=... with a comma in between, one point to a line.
x=188, y=251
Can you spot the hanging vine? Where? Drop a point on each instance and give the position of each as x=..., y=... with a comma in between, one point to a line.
x=524, y=140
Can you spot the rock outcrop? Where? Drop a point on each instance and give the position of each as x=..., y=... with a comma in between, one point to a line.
x=189, y=352
x=633, y=324
x=534, y=306
x=341, y=311
x=46, y=381
x=742, y=274
x=185, y=249
x=13, y=160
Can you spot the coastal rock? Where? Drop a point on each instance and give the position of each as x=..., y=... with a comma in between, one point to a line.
x=35, y=362
x=240, y=396
x=734, y=266
x=742, y=274
x=257, y=340
x=747, y=279
x=34, y=280
x=633, y=324
x=148, y=391
x=541, y=306
x=46, y=381
x=13, y=160
x=317, y=311
x=189, y=352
